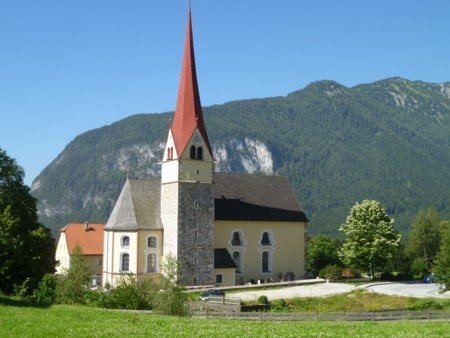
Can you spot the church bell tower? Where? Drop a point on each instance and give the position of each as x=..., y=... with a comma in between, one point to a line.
x=187, y=180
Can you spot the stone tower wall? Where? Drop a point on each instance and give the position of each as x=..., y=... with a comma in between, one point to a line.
x=196, y=232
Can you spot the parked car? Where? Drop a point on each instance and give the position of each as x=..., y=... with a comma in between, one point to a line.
x=429, y=278
x=215, y=293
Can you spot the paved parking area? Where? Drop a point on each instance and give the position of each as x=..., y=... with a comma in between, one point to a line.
x=316, y=290
x=419, y=290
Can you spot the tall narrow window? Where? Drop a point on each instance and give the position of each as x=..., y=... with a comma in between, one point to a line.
x=125, y=264
x=199, y=153
x=237, y=260
x=236, y=240
x=192, y=155
x=152, y=242
x=152, y=263
x=266, y=261
x=125, y=242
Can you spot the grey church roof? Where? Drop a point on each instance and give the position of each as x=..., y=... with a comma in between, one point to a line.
x=138, y=207
x=241, y=197
x=223, y=260
x=255, y=198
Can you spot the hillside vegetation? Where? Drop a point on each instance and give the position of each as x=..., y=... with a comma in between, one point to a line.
x=388, y=141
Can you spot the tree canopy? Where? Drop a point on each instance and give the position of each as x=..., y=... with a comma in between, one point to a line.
x=370, y=238
x=425, y=237
x=27, y=248
x=322, y=251
x=442, y=268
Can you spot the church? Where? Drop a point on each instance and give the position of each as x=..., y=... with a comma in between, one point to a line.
x=225, y=229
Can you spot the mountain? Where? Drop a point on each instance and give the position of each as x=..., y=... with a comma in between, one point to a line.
x=388, y=140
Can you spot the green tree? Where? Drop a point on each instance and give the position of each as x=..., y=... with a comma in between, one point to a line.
x=322, y=251
x=72, y=284
x=27, y=248
x=442, y=267
x=370, y=238
x=425, y=236
x=171, y=298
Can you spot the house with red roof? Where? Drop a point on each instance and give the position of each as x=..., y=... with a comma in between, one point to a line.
x=90, y=239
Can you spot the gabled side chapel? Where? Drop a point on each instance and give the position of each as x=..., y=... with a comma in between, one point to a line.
x=225, y=229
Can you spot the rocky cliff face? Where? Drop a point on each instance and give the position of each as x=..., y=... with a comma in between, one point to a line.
x=141, y=161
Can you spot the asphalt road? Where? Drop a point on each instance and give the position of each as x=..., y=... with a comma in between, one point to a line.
x=419, y=290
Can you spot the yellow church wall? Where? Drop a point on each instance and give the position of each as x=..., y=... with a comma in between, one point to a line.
x=228, y=277
x=287, y=251
x=144, y=250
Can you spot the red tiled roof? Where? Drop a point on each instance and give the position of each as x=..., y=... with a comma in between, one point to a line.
x=188, y=113
x=90, y=241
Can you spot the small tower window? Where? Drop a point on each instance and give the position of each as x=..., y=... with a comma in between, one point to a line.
x=125, y=242
x=192, y=153
x=152, y=242
x=199, y=153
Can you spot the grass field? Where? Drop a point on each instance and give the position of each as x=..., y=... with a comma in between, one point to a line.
x=81, y=321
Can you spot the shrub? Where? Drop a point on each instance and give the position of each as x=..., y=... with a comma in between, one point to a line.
x=331, y=272
x=97, y=298
x=279, y=305
x=419, y=304
x=420, y=268
x=263, y=300
x=130, y=295
x=46, y=290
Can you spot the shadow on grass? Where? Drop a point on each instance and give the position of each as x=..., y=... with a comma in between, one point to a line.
x=20, y=302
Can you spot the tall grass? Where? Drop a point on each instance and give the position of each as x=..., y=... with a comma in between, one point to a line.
x=359, y=300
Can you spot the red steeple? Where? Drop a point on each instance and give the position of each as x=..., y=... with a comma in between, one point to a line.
x=188, y=113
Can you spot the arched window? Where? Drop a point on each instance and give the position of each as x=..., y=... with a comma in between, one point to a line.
x=266, y=239
x=152, y=262
x=266, y=261
x=199, y=153
x=125, y=243
x=168, y=154
x=237, y=258
x=152, y=242
x=192, y=153
x=236, y=240
x=125, y=263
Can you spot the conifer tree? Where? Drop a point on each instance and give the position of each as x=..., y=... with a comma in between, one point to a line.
x=72, y=284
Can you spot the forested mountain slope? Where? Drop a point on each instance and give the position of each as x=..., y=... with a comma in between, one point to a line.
x=388, y=140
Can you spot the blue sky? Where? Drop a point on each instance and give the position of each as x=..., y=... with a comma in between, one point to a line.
x=67, y=67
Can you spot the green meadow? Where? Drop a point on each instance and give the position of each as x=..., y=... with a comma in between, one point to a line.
x=82, y=321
